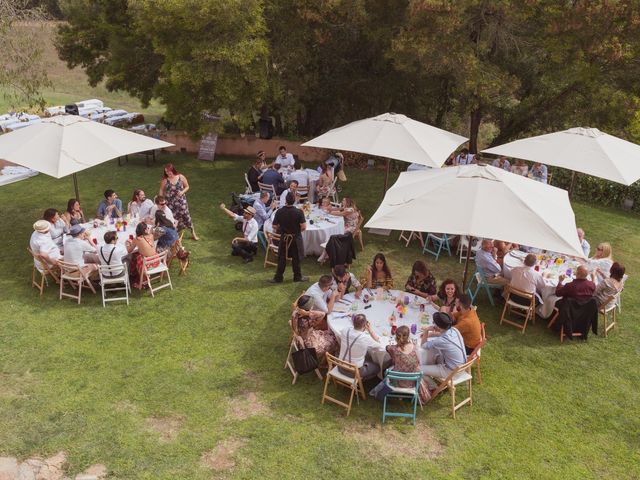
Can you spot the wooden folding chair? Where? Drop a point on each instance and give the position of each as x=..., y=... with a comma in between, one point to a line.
x=552, y=322
x=154, y=268
x=173, y=254
x=608, y=312
x=296, y=343
x=477, y=352
x=273, y=245
x=357, y=233
x=458, y=376
x=408, y=237
x=266, y=187
x=47, y=271
x=511, y=307
x=303, y=192
x=353, y=383
x=75, y=277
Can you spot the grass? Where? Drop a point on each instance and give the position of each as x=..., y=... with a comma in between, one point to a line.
x=150, y=388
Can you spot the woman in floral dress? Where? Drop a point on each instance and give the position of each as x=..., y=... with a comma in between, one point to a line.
x=311, y=326
x=174, y=187
x=404, y=358
x=350, y=212
x=421, y=282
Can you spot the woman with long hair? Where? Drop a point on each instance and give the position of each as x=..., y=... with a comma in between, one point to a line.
x=324, y=183
x=601, y=262
x=404, y=358
x=311, y=325
x=145, y=245
x=350, y=212
x=174, y=187
x=421, y=282
x=57, y=226
x=448, y=293
x=611, y=286
x=73, y=214
x=378, y=273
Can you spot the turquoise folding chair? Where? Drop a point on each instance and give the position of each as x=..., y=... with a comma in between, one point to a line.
x=481, y=283
x=410, y=393
x=262, y=239
x=439, y=243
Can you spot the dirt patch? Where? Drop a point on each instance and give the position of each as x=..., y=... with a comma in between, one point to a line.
x=224, y=456
x=13, y=385
x=246, y=405
x=391, y=443
x=125, y=406
x=167, y=428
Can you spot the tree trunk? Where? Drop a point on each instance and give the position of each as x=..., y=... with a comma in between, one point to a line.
x=474, y=127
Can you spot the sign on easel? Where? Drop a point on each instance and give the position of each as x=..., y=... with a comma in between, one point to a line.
x=208, y=147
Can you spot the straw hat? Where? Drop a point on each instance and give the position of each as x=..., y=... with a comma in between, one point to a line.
x=250, y=210
x=41, y=226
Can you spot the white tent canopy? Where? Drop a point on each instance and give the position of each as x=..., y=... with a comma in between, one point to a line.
x=392, y=135
x=482, y=201
x=586, y=150
x=66, y=144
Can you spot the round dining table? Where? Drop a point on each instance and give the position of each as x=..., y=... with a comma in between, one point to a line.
x=96, y=234
x=551, y=267
x=378, y=309
x=320, y=226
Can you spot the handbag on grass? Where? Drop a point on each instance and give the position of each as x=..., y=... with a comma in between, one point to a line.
x=381, y=390
x=305, y=360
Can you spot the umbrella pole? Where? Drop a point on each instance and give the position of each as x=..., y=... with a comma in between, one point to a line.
x=466, y=265
x=572, y=184
x=75, y=187
x=386, y=177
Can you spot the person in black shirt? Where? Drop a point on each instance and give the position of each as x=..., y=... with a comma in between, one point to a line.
x=289, y=222
x=255, y=171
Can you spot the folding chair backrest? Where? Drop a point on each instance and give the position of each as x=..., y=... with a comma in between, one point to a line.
x=522, y=294
x=267, y=187
x=345, y=366
x=152, y=261
x=69, y=269
x=415, y=377
x=112, y=271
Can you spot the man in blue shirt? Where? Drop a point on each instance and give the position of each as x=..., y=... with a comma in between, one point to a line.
x=488, y=263
x=262, y=211
x=111, y=206
x=272, y=176
x=442, y=349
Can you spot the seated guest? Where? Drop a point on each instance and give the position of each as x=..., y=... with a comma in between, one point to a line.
x=140, y=205
x=421, y=282
x=293, y=188
x=539, y=172
x=502, y=248
x=255, y=171
x=581, y=288
x=299, y=175
x=586, y=248
x=73, y=214
x=161, y=204
x=404, y=358
x=343, y=280
x=486, y=260
x=110, y=207
x=272, y=176
x=79, y=250
x=450, y=160
x=247, y=245
x=57, y=227
x=311, y=325
x=284, y=158
x=142, y=246
x=323, y=297
x=354, y=343
x=378, y=274
x=350, y=212
x=610, y=286
x=442, y=348
x=466, y=320
x=502, y=162
x=464, y=157
x=42, y=244
x=520, y=168
x=525, y=278
x=448, y=293
x=324, y=185
x=263, y=212
x=113, y=253
x=601, y=262
x=170, y=236
x=324, y=204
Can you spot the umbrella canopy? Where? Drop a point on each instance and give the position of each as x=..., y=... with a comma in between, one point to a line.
x=66, y=144
x=586, y=150
x=481, y=201
x=392, y=135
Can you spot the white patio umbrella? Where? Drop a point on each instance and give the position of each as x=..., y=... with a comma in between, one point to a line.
x=66, y=144
x=586, y=150
x=395, y=136
x=481, y=201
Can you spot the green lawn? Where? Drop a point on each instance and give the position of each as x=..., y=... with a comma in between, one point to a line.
x=148, y=389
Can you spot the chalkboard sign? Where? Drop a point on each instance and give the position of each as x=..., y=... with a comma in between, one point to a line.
x=208, y=147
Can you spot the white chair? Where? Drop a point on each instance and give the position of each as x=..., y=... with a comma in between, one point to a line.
x=76, y=278
x=114, y=278
x=248, y=190
x=411, y=236
x=460, y=375
x=154, y=268
x=47, y=270
x=463, y=247
x=266, y=187
x=333, y=191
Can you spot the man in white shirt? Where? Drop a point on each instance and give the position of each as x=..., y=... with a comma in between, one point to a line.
x=503, y=163
x=161, y=204
x=75, y=249
x=486, y=260
x=343, y=280
x=285, y=159
x=586, y=248
x=355, y=342
x=140, y=205
x=525, y=278
x=112, y=253
x=42, y=244
x=539, y=172
x=464, y=158
x=299, y=175
x=247, y=245
x=293, y=188
x=323, y=296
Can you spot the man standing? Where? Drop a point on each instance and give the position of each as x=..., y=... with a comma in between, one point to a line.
x=111, y=206
x=140, y=205
x=247, y=245
x=284, y=158
x=289, y=222
x=262, y=211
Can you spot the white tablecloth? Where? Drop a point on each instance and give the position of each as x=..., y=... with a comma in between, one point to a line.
x=97, y=234
x=378, y=315
x=550, y=271
x=316, y=234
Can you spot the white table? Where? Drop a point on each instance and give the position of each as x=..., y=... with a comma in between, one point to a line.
x=324, y=225
x=97, y=234
x=378, y=315
x=550, y=271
